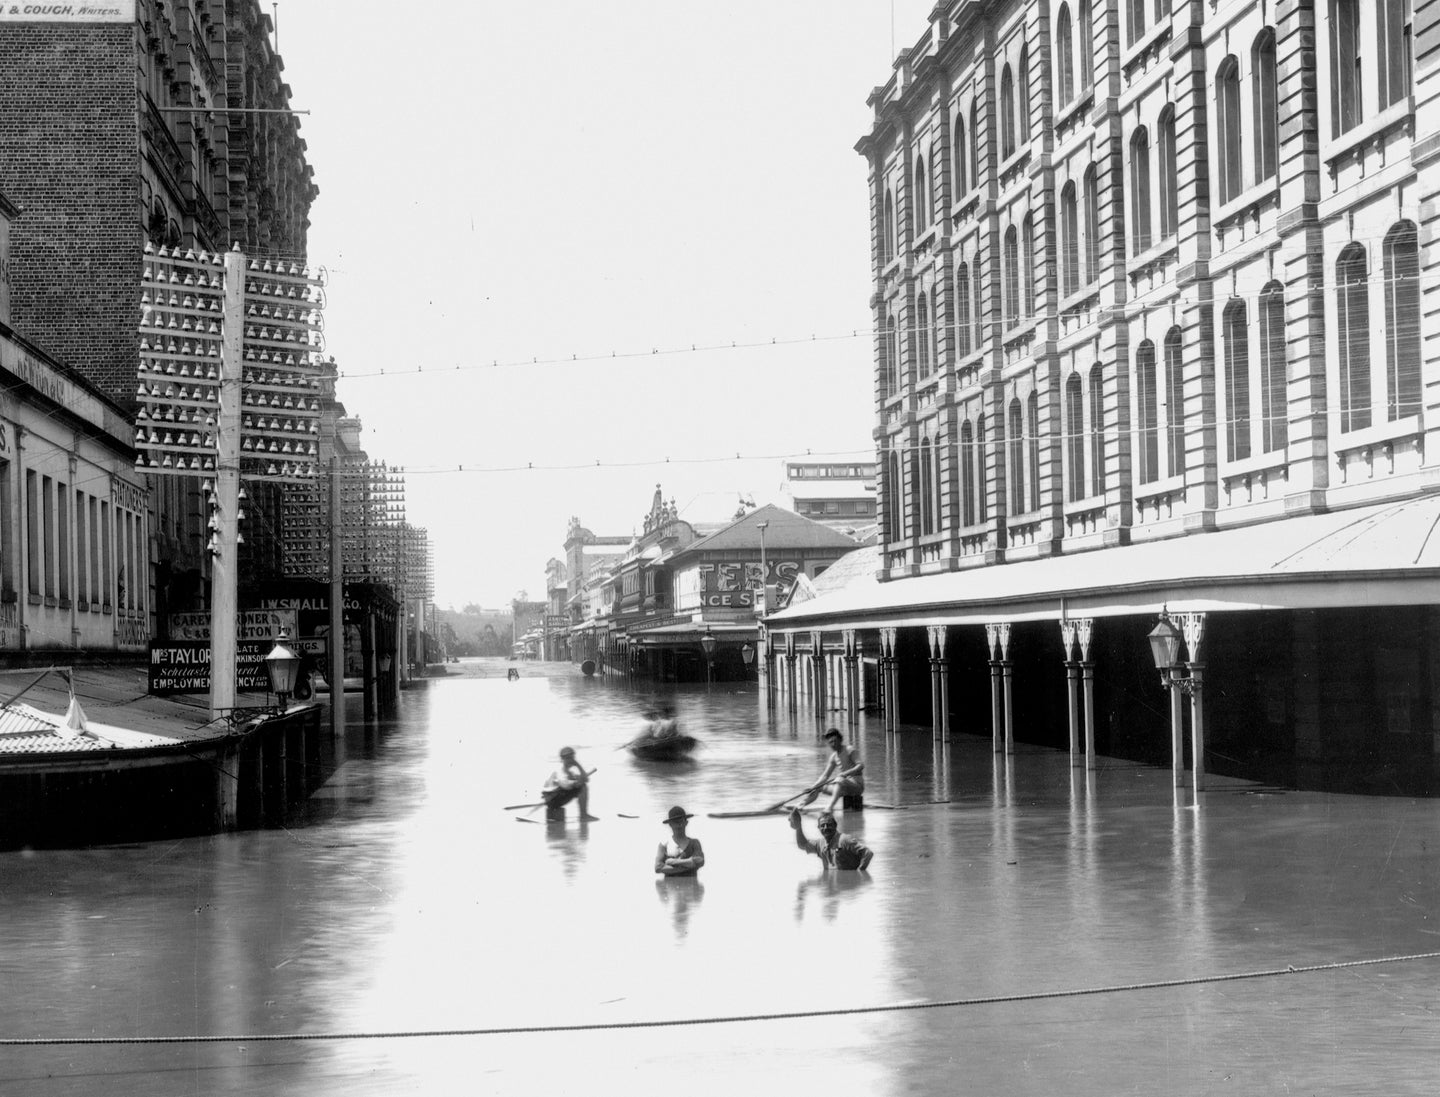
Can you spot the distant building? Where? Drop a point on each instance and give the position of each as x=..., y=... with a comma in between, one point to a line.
x=840, y=494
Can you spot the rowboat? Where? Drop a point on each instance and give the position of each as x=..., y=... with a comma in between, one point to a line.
x=669, y=749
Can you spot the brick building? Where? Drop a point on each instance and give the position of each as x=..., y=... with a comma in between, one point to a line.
x=131, y=121
x=1153, y=290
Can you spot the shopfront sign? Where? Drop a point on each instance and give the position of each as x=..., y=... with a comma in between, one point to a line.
x=97, y=11
x=736, y=586
x=257, y=625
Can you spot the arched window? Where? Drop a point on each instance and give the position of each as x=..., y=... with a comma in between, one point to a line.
x=982, y=471
x=913, y=495
x=1140, y=191
x=894, y=499
x=1402, y=321
x=962, y=186
x=1266, y=95
x=936, y=320
x=1134, y=21
x=1007, y=114
x=1229, y=173
x=1012, y=276
x=1025, y=95
x=1015, y=427
x=1092, y=226
x=1237, y=381
x=887, y=228
x=892, y=357
x=926, y=489
x=962, y=307
x=1032, y=447
x=1147, y=406
x=967, y=474
x=976, y=160
x=1274, y=409
x=1169, y=176
x=922, y=194
x=1346, y=109
x=937, y=487
x=1174, y=403
x=1393, y=33
x=1087, y=46
x=979, y=304
x=921, y=335
x=1097, y=431
x=1075, y=438
x=1070, y=241
x=1064, y=56
x=1028, y=283
x=1352, y=321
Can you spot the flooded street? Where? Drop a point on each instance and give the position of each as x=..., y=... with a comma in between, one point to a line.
x=1007, y=939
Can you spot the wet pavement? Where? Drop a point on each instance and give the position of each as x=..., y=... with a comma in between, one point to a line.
x=1024, y=929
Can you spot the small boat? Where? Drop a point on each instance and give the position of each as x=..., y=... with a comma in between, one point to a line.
x=669, y=749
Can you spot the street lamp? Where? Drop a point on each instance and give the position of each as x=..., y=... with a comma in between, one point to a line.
x=707, y=642
x=282, y=664
x=748, y=654
x=1165, y=640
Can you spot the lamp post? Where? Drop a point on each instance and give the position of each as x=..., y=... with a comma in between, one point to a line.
x=764, y=571
x=1165, y=640
x=747, y=653
x=707, y=642
x=282, y=664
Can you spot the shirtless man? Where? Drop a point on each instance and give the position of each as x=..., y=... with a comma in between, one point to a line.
x=845, y=771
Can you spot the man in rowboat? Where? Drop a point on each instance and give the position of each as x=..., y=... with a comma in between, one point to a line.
x=569, y=782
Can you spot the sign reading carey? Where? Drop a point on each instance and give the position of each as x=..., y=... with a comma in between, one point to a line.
x=261, y=624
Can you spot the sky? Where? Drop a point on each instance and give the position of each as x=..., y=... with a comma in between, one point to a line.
x=576, y=250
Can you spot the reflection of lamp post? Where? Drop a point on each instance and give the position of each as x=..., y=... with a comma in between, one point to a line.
x=282, y=664
x=708, y=643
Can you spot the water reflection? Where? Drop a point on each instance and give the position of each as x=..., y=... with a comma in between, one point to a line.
x=402, y=898
x=682, y=895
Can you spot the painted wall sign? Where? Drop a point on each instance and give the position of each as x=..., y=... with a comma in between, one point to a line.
x=97, y=11
x=183, y=666
x=250, y=625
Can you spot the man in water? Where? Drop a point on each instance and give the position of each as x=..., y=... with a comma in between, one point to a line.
x=845, y=771
x=569, y=782
x=835, y=849
x=681, y=855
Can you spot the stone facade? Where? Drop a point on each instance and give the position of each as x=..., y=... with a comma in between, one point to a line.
x=1144, y=268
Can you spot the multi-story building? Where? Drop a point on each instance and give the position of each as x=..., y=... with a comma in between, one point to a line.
x=1152, y=291
x=165, y=121
x=838, y=493
x=72, y=507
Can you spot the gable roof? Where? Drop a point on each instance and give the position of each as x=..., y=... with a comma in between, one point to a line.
x=784, y=530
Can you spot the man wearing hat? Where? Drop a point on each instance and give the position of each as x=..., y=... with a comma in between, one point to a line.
x=681, y=855
x=569, y=782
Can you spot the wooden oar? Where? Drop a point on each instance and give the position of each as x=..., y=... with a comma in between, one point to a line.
x=764, y=811
x=541, y=804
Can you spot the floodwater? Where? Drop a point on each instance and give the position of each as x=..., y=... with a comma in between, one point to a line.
x=1024, y=928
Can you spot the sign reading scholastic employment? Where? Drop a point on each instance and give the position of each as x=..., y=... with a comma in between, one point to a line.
x=183, y=666
x=97, y=11
x=254, y=624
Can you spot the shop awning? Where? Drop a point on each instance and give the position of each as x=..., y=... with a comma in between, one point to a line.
x=1382, y=554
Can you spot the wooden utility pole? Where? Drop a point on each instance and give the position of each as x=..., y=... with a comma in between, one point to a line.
x=224, y=547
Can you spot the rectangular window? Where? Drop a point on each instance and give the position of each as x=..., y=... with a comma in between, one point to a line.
x=47, y=544
x=107, y=555
x=33, y=526
x=62, y=541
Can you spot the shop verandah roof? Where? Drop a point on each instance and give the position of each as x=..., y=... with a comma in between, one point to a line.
x=1380, y=554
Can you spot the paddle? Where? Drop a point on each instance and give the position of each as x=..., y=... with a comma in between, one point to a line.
x=765, y=811
x=541, y=804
